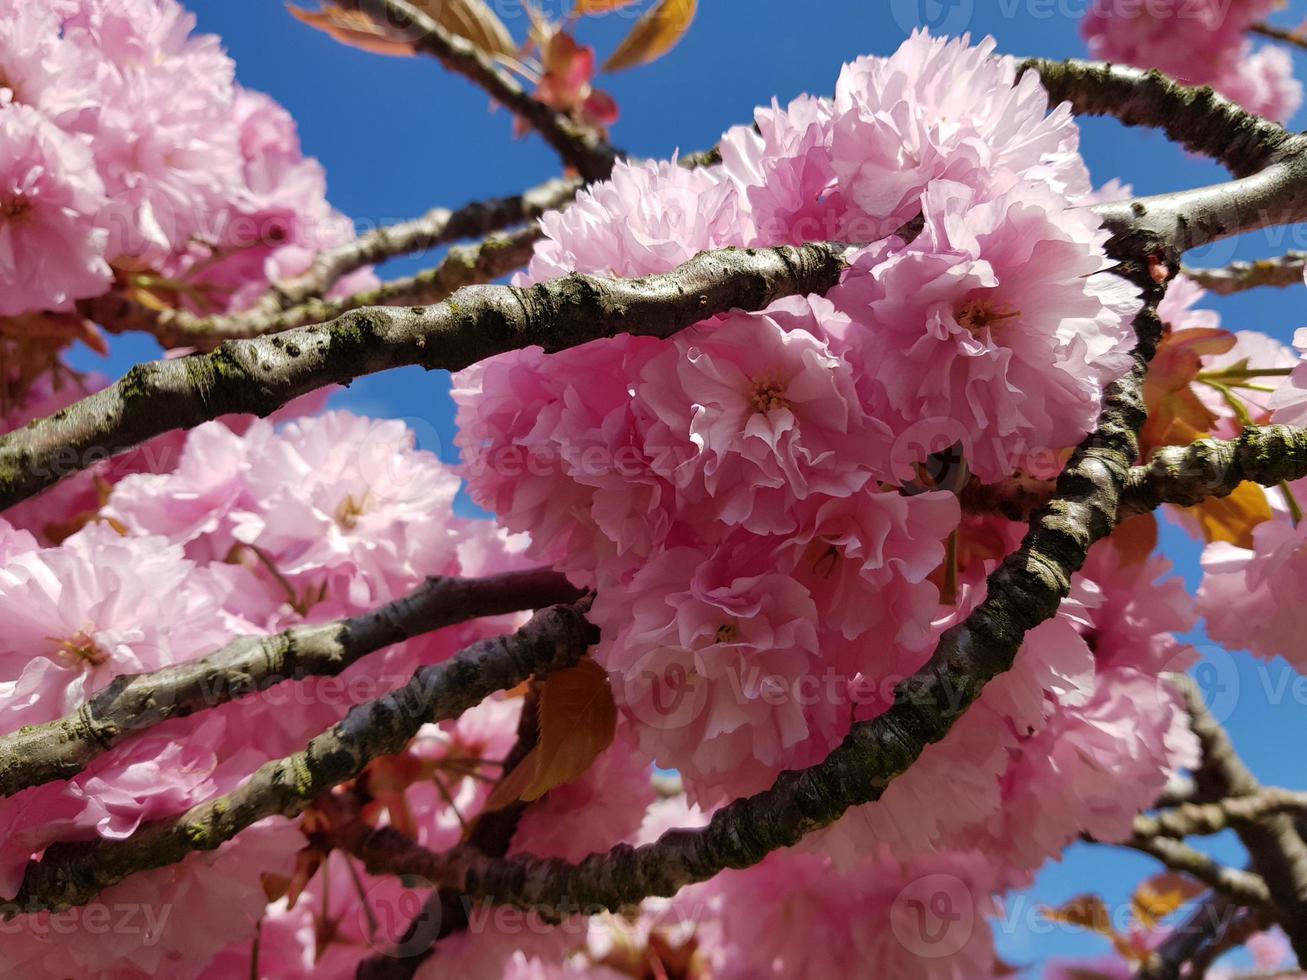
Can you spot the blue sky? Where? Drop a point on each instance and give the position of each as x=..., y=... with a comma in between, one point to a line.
x=398, y=136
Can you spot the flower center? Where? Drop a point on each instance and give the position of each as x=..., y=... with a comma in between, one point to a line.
x=351, y=509
x=728, y=633
x=767, y=393
x=980, y=314
x=823, y=558
x=15, y=210
x=81, y=650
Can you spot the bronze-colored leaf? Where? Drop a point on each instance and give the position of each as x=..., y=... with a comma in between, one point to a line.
x=1091, y=912
x=354, y=28
x=1161, y=895
x=1086, y=911
x=510, y=788
x=577, y=720
x=472, y=20
x=1176, y=415
x=654, y=34
x=1135, y=539
x=1232, y=518
x=600, y=6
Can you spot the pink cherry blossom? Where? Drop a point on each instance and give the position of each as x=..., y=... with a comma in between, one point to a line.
x=755, y=414
x=649, y=217
x=1289, y=403
x=940, y=109
x=922, y=918
x=1198, y=43
x=709, y=657
x=168, y=922
x=1247, y=596
x=51, y=202
x=783, y=168
x=94, y=607
x=996, y=327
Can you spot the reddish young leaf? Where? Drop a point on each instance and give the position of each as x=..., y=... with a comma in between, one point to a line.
x=354, y=28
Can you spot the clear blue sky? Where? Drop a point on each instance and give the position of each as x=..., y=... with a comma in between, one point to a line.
x=398, y=136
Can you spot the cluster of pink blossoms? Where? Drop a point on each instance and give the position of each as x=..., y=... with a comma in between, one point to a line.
x=246, y=535
x=126, y=146
x=747, y=500
x=1199, y=42
x=751, y=501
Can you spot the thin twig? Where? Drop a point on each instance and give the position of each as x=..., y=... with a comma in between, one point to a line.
x=1287, y=270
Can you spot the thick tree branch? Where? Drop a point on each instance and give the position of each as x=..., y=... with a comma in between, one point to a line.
x=464, y=265
x=1196, y=118
x=579, y=147
x=261, y=374
x=72, y=873
x=1183, y=475
x=1287, y=270
x=135, y=702
x=1170, y=224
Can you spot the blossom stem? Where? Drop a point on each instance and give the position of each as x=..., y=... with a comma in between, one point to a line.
x=1295, y=509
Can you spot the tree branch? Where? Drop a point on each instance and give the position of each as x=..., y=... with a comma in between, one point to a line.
x=261, y=374
x=1278, y=852
x=133, y=703
x=1196, y=118
x=72, y=873
x=463, y=265
x=436, y=227
x=1287, y=270
x=579, y=147
x=1244, y=887
x=1279, y=34
x=1204, y=819
x=1183, y=475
